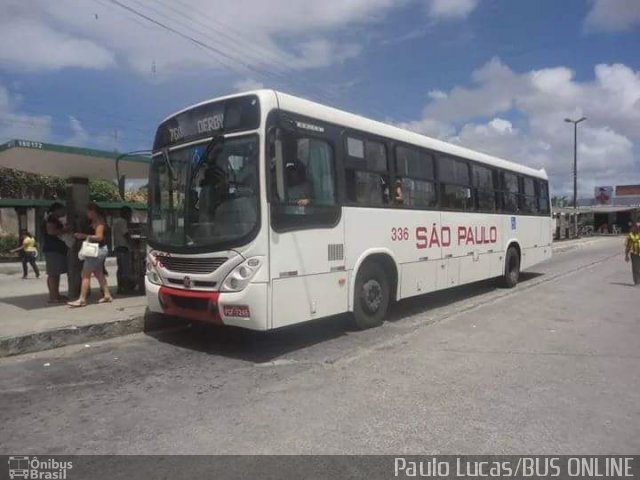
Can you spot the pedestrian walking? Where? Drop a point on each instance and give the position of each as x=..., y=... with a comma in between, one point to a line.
x=632, y=252
x=28, y=252
x=96, y=234
x=55, y=251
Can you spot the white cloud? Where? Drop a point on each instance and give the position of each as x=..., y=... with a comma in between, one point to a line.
x=451, y=9
x=79, y=136
x=17, y=124
x=321, y=53
x=249, y=36
x=42, y=48
x=437, y=94
x=519, y=116
x=613, y=15
x=247, y=84
x=431, y=127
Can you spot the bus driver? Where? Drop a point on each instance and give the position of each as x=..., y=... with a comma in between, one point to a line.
x=299, y=188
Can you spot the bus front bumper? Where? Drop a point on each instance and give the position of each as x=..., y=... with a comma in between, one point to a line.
x=246, y=309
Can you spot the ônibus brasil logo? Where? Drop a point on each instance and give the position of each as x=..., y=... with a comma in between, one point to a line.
x=36, y=469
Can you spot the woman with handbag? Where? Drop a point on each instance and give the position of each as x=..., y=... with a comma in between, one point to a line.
x=94, y=252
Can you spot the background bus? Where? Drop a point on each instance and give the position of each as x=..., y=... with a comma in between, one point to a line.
x=268, y=210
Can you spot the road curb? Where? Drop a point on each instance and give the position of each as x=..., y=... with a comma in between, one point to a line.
x=72, y=335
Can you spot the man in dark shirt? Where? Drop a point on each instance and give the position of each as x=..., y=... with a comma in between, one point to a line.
x=55, y=251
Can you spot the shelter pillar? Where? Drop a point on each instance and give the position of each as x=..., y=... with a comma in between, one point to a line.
x=77, y=201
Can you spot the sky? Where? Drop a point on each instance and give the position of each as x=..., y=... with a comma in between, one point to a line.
x=499, y=76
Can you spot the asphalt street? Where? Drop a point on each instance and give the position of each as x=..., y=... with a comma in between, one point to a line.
x=549, y=367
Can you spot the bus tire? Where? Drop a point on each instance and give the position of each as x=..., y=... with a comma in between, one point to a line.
x=371, y=296
x=511, y=268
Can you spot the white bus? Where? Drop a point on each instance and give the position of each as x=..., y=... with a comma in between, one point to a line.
x=267, y=210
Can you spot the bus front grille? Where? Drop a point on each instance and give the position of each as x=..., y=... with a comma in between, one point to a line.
x=203, y=265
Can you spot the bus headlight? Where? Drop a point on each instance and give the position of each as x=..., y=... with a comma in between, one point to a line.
x=240, y=276
x=154, y=277
x=152, y=274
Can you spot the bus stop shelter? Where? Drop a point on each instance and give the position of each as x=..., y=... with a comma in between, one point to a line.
x=77, y=166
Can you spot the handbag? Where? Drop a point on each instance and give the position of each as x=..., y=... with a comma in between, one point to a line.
x=88, y=250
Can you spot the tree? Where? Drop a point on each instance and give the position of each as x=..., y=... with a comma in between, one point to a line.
x=101, y=190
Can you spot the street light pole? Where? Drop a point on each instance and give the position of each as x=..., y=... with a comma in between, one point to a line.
x=575, y=169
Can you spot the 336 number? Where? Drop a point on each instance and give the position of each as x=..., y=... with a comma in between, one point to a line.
x=399, y=234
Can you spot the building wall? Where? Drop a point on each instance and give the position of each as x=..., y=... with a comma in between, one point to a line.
x=8, y=221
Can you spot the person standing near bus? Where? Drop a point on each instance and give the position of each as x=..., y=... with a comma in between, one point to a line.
x=55, y=251
x=96, y=233
x=29, y=253
x=632, y=252
x=122, y=248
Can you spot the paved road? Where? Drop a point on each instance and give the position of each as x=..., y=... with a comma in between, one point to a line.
x=550, y=367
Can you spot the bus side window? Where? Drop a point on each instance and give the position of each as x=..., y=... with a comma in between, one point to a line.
x=455, y=184
x=529, y=202
x=303, y=182
x=484, y=188
x=510, y=192
x=366, y=172
x=542, y=194
x=315, y=157
x=302, y=170
x=415, y=185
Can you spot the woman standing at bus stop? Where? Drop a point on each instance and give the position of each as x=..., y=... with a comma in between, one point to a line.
x=94, y=265
x=55, y=251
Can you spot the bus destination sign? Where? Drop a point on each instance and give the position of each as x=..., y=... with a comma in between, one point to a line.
x=242, y=113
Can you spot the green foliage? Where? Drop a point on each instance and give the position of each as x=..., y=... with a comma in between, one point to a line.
x=7, y=243
x=17, y=184
x=103, y=191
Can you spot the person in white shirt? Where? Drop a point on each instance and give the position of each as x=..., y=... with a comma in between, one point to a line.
x=122, y=249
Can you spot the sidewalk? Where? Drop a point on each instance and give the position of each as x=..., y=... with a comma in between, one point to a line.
x=29, y=324
x=566, y=245
x=14, y=268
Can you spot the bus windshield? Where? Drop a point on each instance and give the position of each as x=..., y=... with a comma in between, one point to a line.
x=207, y=202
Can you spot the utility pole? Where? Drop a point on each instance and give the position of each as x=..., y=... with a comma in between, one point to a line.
x=575, y=170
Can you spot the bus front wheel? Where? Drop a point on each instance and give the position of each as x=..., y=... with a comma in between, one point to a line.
x=372, y=294
x=511, y=268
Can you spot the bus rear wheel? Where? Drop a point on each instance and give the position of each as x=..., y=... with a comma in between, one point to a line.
x=511, y=268
x=372, y=294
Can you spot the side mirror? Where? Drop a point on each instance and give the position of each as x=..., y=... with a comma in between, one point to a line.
x=121, y=185
x=286, y=123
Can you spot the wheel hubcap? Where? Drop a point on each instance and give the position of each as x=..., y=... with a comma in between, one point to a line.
x=371, y=295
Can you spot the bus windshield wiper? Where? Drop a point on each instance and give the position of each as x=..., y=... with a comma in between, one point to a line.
x=214, y=142
x=167, y=161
